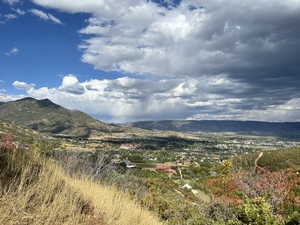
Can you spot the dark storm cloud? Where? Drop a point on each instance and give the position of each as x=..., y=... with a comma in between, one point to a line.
x=258, y=45
x=266, y=45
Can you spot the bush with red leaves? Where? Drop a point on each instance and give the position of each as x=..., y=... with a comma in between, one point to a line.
x=7, y=142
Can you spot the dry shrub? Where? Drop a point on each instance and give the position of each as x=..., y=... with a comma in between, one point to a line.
x=277, y=187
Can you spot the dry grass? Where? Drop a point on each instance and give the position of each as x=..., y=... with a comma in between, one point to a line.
x=117, y=208
x=42, y=200
x=37, y=192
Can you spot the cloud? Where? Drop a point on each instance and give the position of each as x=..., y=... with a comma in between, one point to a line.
x=193, y=39
x=13, y=52
x=104, y=8
x=245, y=52
x=127, y=99
x=71, y=85
x=45, y=16
x=11, y=2
x=288, y=111
x=19, y=11
x=7, y=98
x=131, y=99
x=210, y=40
x=23, y=86
x=10, y=16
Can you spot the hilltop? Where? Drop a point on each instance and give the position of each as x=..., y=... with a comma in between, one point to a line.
x=287, y=130
x=47, y=117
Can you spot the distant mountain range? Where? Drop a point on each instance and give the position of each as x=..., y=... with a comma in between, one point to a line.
x=287, y=130
x=48, y=117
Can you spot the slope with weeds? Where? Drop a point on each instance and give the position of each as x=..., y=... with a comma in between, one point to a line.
x=35, y=191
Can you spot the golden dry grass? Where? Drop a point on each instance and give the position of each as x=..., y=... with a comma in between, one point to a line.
x=45, y=201
x=39, y=193
x=117, y=208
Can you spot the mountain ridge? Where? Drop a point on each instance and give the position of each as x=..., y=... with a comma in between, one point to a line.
x=259, y=128
x=48, y=117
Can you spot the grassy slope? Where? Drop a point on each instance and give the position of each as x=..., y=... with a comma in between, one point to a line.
x=273, y=160
x=45, y=116
x=35, y=191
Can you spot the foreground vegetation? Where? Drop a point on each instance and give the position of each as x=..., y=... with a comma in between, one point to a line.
x=237, y=194
x=35, y=191
x=41, y=185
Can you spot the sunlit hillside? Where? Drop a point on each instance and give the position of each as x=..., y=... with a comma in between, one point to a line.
x=35, y=191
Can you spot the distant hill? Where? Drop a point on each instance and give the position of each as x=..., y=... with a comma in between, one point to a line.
x=287, y=130
x=48, y=117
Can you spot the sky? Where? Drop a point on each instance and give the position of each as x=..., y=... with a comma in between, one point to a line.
x=130, y=60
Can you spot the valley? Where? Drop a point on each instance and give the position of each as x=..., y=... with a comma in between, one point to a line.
x=163, y=171
x=149, y=112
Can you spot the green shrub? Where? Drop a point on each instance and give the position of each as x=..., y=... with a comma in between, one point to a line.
x=255, y=211
x=294, y=219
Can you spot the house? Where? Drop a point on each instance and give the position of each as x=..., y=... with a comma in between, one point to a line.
x=165, y=169
x=127, y=165
x=187, y=186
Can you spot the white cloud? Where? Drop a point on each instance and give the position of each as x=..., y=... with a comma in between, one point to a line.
x=11, y=2
x=10, y=16
x=23, y=86
x=194, y=39
x=7, y=98
x=45, y=16
x=71, y=85
x=214, y=58
x=12, y=52
x=127, y=99
x=288, y=111
x=131, y=99
x=105, y=8
x=19, y=11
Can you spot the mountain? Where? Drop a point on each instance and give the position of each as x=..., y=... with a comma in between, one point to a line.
x=287, y=130
x=21, y=134
x=48, y=117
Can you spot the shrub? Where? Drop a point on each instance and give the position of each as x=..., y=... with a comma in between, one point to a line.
x=294, y=219
x=35, y=191
x=255, y=211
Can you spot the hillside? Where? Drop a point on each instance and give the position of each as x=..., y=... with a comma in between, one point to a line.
x=48, y=117
x=41, y=184
x=287, y=130
x=36, y=191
